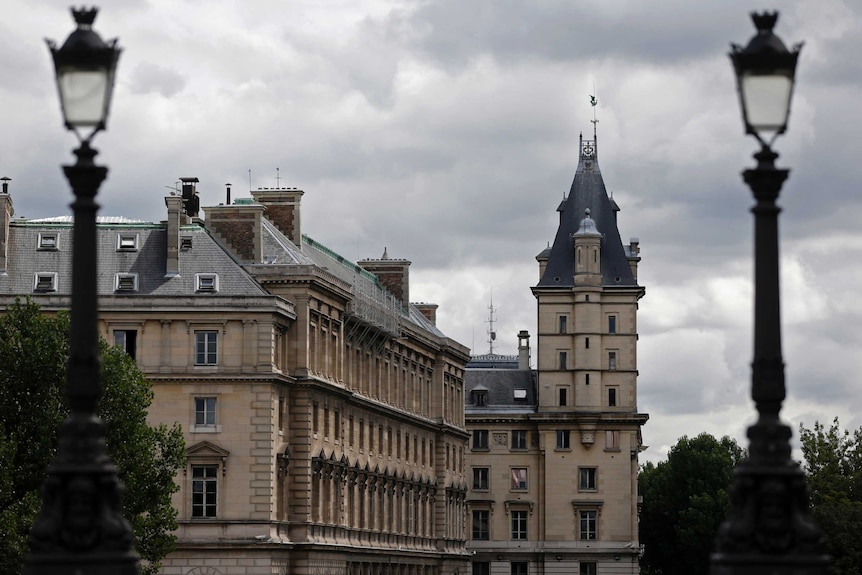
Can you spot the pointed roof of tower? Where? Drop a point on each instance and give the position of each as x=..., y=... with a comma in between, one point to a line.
x=587, y=193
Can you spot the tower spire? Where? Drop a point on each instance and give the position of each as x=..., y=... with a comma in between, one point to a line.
x=594, y=102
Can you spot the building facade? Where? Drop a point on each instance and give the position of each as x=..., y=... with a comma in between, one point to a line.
x=554, y=451
x=322, y=411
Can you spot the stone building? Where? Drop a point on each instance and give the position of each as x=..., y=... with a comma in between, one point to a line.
x=322, y=411
x=554, y=451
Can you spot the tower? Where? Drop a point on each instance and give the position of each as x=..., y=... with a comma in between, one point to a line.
x=586, y=376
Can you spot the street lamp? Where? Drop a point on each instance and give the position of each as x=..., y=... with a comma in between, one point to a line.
x=81, y=529
x=768, y=530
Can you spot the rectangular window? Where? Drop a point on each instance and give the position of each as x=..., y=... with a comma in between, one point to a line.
x=204, y=491
x=519, y=525
x=206, y=347
x=612, y=360
x=612, y=396
x=588, y=525
x=563, y=321
x=315, y=418
x=361, y=434
x=480, y=439
x=126, y=340
x=563, y=439
x=480, y=525
x=281, y=413
x=44, y=282
x=519, y=479
x=481, y=568
x=563, y=358
x=612, y=440
x=337, y=432
x=587, y=568
x=389, y=441
x=563, y=392
x=612, y=324
x=480, y=478
x=205, y=411
x=127, y=242
x=48, y=241
x=520, y=568
x=519, y=439
x=206, y=282
x=125, y=282
x=587, y=343
x=587, y=378
x=325, y=421
x=587, y=479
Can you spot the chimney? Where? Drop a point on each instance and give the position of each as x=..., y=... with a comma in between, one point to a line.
x=239, y=228
x=394, y=275
x=6, y=213
x=175, y=215
x=191, y=201
x=282, y=209
x=429, y=310
x=634, y=256
x=227, y=202
x=523, y=350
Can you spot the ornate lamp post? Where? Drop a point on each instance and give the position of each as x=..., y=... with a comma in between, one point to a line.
x=81, y=529
x=768, y=530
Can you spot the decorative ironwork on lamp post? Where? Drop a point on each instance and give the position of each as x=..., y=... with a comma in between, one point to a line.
x=81, y=529
x=768, y=530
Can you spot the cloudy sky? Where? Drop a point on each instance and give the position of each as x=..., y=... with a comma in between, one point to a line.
x=447, y=130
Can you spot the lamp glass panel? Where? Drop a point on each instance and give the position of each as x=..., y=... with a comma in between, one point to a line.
x=84, y=94
x=767, y=101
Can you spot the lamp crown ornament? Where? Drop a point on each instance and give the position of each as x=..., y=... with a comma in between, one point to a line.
x=84, y=17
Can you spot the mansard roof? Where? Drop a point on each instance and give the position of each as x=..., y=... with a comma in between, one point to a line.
x=587, y=192
x=200, y=254
x=375, y=300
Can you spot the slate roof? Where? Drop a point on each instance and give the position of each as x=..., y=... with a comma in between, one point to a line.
x=500, y=385
x=149, y=260
x=587, y=191
x=278, y=249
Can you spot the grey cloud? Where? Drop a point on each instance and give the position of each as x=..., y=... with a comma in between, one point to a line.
x=153, y=78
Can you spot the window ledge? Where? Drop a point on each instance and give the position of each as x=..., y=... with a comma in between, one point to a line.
x=205, y=429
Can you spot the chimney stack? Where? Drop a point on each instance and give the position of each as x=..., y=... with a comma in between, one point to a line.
x=227, y=202
x=191, y=201
x=239, y=228
x=429, y=310
x=282, y=209
x=394, y=275
x=524, y=350
x=6, y=213
x=175, y=211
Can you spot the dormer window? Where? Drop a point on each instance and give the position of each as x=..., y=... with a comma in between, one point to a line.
x=45, y=282
x=480, y=398
x=126, y=282
x=206, y=282
x=127, y=242
x=186, y=243
x=48, y=241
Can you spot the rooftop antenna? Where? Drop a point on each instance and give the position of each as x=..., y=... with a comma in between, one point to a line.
x=277, y=179
x=492, y=334
x=249, y=181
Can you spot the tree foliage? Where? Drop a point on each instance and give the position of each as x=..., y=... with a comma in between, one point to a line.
x=833, y=463
x=33, y=351
x=685, y=499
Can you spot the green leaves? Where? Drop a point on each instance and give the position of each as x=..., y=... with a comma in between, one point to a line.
x=833, y=463
x=684, y=501
x=33, y=352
